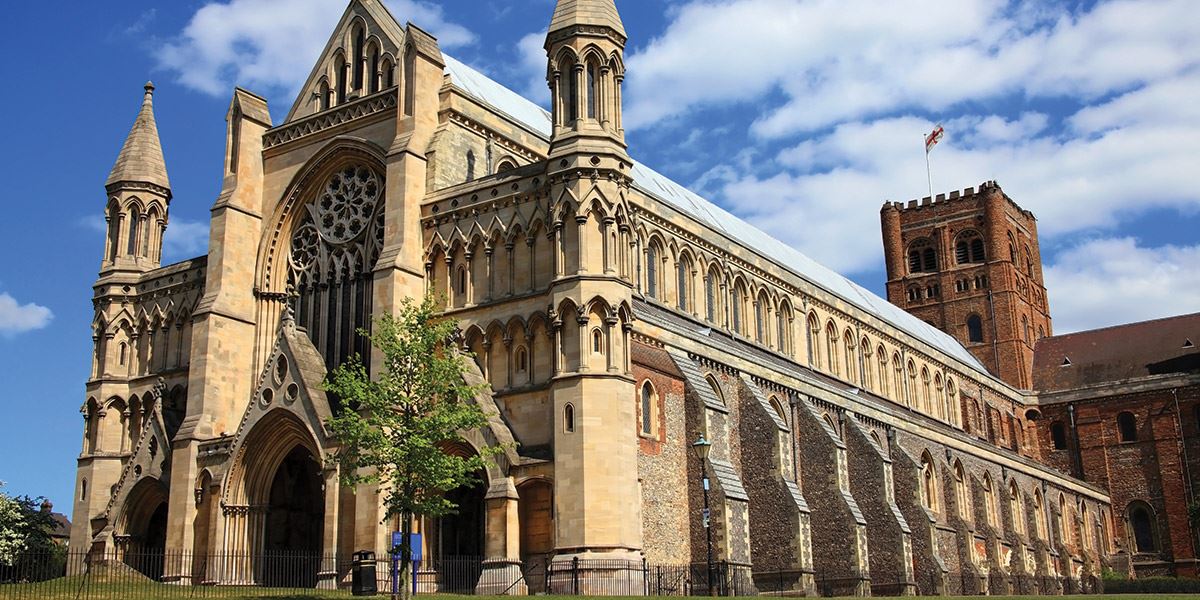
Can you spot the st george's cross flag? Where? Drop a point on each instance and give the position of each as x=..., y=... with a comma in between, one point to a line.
x=933, y=138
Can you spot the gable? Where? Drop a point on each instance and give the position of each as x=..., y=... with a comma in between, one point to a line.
x=367, y=34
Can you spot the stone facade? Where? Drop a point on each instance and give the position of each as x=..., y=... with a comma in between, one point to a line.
x=615, y=316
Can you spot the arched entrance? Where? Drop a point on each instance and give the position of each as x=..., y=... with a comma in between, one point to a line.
x=143, y=528
x=461, y=534
x=294, y=520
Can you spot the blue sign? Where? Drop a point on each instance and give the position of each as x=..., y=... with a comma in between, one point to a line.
x=414, y=543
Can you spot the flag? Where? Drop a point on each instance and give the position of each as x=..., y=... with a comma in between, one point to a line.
x=933, y=138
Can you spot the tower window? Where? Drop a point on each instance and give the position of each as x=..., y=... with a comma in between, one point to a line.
x=597, y=341
x=470, y=165
x=569, y=418
x=1058, y=435
x=591, y=91
x=1127, y=427
x=969, y=248
x=975, y=329
x=922, y=258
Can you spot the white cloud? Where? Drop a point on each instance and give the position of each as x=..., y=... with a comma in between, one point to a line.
x=1109, y=281
x=19, y=318
x=840, y=60
x=271, y=45
x=185, y=239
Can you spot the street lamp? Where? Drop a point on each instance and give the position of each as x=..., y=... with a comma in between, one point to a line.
x=700, y=448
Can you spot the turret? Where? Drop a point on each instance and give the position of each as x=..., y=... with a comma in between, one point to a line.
x=139, y=193
x=586, y=49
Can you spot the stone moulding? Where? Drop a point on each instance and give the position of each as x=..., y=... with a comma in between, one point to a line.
x=357, y=109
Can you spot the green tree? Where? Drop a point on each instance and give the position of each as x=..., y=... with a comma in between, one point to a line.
x=13, y=528
x=392, y=430
x=25, y=542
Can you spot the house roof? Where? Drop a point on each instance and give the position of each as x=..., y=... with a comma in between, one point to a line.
x=659, y=187
x=1158, y=347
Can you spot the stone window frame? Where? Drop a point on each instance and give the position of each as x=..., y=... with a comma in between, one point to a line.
x=568, y=418
x=1151, y=523
x=647, y=409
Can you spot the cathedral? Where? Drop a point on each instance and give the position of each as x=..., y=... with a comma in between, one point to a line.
x=858, y=446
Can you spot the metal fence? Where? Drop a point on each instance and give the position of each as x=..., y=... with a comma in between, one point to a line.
x=150, y=575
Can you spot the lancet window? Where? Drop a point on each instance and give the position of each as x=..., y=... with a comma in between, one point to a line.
x=334, y=246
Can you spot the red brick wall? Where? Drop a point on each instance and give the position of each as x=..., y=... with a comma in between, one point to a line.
x=1151, y=469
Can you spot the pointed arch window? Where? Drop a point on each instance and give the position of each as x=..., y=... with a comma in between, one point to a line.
x=359, y=57
x=1058, y=435
x=716, y=389
x=569, y=418
x=683, y=270
x=647, y=408
x=1015, y=510
x=738, y=299
x=929, y=493
x=961, y=497
x=989, y=501
x=135, y=223
x=652, y=271
x=710, y=297
x=592, y=91
x=811, y=333
x=760, y=323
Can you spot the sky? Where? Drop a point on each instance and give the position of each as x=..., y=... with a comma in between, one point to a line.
x=801, y=116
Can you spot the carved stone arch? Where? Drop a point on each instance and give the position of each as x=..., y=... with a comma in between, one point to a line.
x=601, y=306
x=275, y=246
x=566, y=57
x=617, y=64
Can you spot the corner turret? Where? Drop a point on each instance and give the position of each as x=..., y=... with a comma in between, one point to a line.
x=139, y=193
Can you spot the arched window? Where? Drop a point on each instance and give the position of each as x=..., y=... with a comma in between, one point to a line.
x=1039, y=517
x=1015, y=512
x=121, y=351
x=881, y=352
x=652, y=271
x=777, y=406
x=647, y=408
x=597, y=341
x=505, y=165
x=716, y=389
x=1058, y=435
x=683, y=270
x=340, y=77
x=969, y=248
x=710, y=297
x=1127, y=427
x=462, y=279
x=975, y=329
x=522, y=360
x=470, y=165
x=739, y=296
x=811, y=333
x=922, y=257
x=569, y=418
x=989, y=501
x=1012, y=249
x=929, y=493
x=135, y=223
x=1028, y=261
x=572, y=95
x=951, y=401
x=1025, y=328
x=849, y=353
x=83, y=489
x=1143, y=534
x=961, y=497
x=1063, y=521
x=831, y=358
x=359, y=59
x=591, y=91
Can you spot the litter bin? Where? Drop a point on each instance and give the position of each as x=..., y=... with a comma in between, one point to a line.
x=362, y=574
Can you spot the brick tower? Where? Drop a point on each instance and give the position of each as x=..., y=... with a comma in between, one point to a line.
x=969, y=264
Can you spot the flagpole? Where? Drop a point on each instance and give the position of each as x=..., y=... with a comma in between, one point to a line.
x=928, y=171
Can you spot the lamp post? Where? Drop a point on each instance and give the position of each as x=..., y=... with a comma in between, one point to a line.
x=700, y=448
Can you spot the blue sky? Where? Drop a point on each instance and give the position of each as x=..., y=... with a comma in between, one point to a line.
x=802, y=116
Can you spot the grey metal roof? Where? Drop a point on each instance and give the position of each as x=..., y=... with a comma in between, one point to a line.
x=658, y=186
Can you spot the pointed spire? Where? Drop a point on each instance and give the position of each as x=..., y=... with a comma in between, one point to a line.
x=141, y=158
x=595, y=13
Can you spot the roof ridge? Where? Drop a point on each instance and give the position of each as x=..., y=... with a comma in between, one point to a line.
x=708, y=213
x=1121, y=326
